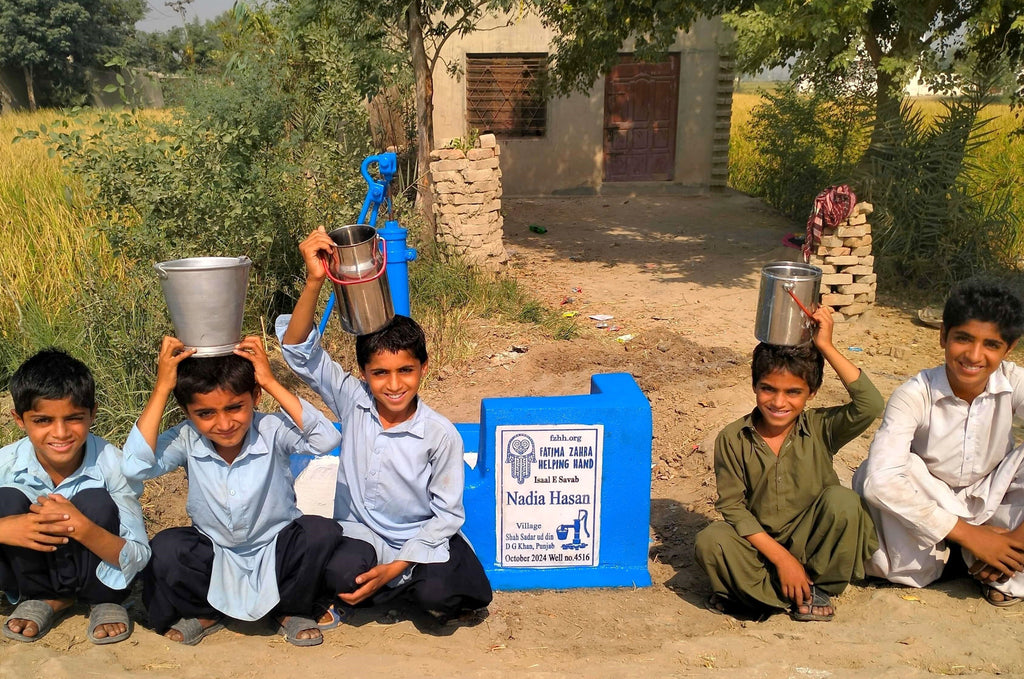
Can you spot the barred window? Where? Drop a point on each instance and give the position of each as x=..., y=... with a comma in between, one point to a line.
x=503, y=94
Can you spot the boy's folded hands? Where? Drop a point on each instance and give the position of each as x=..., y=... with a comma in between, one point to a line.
x=41, y=530
x=1000, y=553
x=372, y=580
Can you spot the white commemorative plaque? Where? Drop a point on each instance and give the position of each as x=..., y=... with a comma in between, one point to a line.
x=549, y=495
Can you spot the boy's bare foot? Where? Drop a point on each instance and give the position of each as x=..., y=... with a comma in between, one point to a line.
x=310, y=633
x=818, y=609
x=176, y=635
x=300, y=631
x=29, y=628
x=997, y=598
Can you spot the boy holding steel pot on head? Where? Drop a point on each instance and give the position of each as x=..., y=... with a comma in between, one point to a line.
x=250, y=552
x=401, y=476
x=792, y=536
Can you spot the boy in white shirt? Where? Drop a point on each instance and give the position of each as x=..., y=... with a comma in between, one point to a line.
x=943, y=467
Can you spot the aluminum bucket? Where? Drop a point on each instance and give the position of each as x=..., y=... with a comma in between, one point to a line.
x=780, y=320
x=358, y=270
x=206, y=300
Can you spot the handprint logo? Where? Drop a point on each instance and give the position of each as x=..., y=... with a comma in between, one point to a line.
x=520, y=454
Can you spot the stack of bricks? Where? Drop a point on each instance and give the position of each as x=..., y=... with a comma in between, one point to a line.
x=467, y=202
x=847, y=266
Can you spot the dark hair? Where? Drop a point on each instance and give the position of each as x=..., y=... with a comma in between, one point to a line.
x=988, y=302
x=400, y=333
x=804, y=361
x=203, y=375
x=52, y=374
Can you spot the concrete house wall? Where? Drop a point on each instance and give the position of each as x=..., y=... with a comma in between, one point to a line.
x=569, y=157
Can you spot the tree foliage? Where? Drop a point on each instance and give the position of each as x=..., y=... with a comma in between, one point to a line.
x=178, y=49
x=823, y=39
x=55, y=40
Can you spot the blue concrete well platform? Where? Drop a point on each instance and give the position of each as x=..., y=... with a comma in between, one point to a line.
x=560, y=494
x=558, y=488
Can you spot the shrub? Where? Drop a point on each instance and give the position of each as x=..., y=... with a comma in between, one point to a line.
x=801, y=143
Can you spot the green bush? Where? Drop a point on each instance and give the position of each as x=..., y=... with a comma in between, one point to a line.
x=801, y=143
x=939, y=219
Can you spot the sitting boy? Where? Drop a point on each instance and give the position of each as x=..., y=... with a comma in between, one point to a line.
x=71, y=527
x=943, y=467
x=792, y=536
x=249, y=552
x=400, y=476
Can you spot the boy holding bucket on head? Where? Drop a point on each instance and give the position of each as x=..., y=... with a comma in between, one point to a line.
x=249, y=552
x=792, y=536
x=71, y=527
x=400, y=476
x=943, y=467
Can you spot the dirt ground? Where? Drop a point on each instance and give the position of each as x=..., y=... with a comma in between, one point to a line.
x=680, y=274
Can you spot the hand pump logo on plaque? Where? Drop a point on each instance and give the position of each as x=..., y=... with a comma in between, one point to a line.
x=549, y=495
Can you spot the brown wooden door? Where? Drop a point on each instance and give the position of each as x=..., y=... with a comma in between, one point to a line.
x=640, y=120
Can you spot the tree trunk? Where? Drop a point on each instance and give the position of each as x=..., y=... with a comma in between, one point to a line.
x=30, y=89
x=424, y=112
x=887, y=107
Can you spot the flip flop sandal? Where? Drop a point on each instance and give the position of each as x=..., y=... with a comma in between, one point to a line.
x=338, y=612
x=720, y=605
x=1004, y=602
x=37, y=611
x=819, y=599
x=192, y=631
x=106, y=614
x=296, y=624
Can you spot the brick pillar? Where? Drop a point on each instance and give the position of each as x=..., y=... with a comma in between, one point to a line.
x=467, y=202
x=844, y=256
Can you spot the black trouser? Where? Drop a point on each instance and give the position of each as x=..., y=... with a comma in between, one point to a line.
x=177, y=581
x=70, y=571
x=454, y=586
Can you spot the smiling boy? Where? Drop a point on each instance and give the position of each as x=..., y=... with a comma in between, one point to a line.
x=71, y=527
x=792, y=536
x=249, y=552
x=943, y=467
x=400, y=476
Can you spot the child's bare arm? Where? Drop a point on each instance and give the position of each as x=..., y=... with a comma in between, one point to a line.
x=251, y=349
x=79, y=527
x=172, y=352
x=301, y=322
x=845, y=368
x=796, y=586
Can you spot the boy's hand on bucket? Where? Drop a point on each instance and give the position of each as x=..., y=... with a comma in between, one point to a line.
x=251, y=348
x=312, y=247
x=825, y=323
x=172, y=352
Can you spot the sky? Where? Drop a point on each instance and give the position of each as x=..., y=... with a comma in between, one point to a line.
x=160, y=17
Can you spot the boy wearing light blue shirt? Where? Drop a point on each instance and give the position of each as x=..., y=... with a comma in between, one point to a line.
x=71, y=526
x=400, y=476
x=249, y=552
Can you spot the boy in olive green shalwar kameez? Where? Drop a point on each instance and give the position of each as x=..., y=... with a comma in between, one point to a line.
x=792, y=536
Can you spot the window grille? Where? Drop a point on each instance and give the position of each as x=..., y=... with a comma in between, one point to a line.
x=503, y=94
